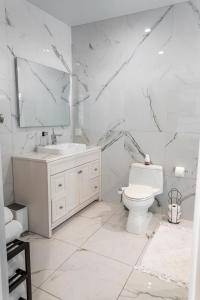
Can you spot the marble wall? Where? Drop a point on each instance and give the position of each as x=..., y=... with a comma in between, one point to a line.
x=26, y=32
x=140, y=93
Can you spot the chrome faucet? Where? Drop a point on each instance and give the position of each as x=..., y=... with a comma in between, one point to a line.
x=54, y=137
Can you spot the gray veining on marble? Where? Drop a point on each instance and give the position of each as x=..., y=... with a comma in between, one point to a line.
x=42, y=83
x=113, y=140
x=61, y=58
x=128, y=60
x=7, y=18
x=111, y=136
x=11, y=50
x=151, y=81
x=195, y=10
x=148, y=295
x=91, y=47
x=134, y=143
x=64, y=63
x=145, y=286
x=154, y=116
x=5, y=93
x=27, y=32
x=48, y=30
x=75, y=103
x=172, y=139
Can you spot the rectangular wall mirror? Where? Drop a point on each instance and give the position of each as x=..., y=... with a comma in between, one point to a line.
x=43, y=95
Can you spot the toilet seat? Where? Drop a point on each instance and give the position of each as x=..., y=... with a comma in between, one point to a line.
x=136, y=192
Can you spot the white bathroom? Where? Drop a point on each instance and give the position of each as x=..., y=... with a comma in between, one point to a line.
x=99, y=149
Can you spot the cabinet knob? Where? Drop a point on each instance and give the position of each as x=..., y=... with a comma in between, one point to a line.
x=80, y=172
x=95, y=169
x=96, y=187
x=60, y=185
x=60, y=207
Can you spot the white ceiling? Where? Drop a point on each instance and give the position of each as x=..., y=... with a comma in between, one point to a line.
x=77, y=12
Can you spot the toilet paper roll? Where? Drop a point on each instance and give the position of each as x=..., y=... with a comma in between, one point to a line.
x=174, y=207
x=174, y=213
x=179, y=171
x=173, y=216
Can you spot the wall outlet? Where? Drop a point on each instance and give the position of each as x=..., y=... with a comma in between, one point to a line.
x=78, y=132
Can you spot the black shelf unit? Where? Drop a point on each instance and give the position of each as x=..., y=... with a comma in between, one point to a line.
x=13, y=249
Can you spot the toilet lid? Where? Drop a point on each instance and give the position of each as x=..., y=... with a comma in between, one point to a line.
x=138, y=191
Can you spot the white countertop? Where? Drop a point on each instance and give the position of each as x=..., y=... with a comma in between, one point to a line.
x=36, y=156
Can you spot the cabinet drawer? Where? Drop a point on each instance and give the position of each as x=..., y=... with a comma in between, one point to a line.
x=58, y=185
x=94, y=186
x=73, y=161
x=58, y=209
x=94, y=169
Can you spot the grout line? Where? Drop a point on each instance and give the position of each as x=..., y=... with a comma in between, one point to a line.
x=138, y=260
x=149, y=240
x=66, y=242
x=81, y=246
x=146, y=245
x=125, y=283
x=54, y=271
x=78, y=249
x=142, y=252
x=133, y=268
x=102, y=224
x=108, y=257
x=40, y=289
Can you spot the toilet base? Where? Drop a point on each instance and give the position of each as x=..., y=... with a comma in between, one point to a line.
x=138, y=223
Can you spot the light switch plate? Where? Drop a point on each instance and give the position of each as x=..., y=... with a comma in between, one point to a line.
x=78, y=132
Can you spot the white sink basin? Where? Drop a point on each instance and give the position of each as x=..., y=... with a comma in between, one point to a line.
x=62, y=149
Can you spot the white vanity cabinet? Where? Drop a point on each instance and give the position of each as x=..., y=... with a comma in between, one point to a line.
x=56, y=187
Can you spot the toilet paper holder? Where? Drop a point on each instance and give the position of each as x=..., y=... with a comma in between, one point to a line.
x=185, y=171
x=174, y=207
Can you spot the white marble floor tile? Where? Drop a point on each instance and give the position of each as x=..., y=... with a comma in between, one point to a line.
x=153, y=225
x=33, y=289
x=143, y=286
x=101, y=210
x=119, y=219
x=88, y=276
x=41, y=295
x=114, y=242
x=77, y=230
x=46, y=256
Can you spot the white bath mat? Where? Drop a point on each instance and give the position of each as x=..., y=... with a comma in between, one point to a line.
x=168, y=255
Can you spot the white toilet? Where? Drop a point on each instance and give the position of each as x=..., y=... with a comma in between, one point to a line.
x=145, y=182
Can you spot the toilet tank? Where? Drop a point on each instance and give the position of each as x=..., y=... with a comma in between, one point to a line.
x=151, y=175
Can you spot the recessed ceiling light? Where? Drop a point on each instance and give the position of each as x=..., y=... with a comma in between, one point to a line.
x=147, y=30
x=161, y=52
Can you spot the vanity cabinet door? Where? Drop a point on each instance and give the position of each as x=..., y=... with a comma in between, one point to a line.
x=94, y=186
x=72, y=190
x=58, y=209
x=94, y=169
x=76, y=186
x=58, y=185
x=84, y=183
